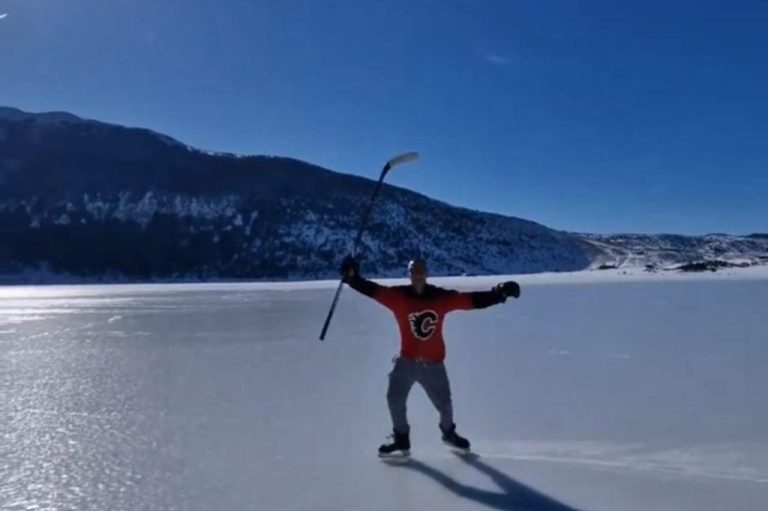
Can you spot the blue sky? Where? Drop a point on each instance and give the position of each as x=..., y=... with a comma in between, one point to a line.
x=597, y=116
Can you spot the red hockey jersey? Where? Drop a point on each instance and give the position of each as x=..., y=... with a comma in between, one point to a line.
x=420, y=316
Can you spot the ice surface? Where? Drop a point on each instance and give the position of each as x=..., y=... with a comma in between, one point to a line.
x=594, y=391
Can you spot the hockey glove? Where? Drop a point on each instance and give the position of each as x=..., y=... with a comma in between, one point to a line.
x=349, y=268
x=507, y=289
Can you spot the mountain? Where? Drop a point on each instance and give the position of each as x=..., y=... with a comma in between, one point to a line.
x=671, y=250
x=102, y=201
x=97, y=201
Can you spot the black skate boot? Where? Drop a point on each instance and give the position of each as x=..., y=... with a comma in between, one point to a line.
x=400, y=448
x=454, y=440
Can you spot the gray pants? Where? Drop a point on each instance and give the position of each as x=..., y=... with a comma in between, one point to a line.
x=432, y=377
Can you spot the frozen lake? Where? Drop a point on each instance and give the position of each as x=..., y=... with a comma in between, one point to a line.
x=630, y=394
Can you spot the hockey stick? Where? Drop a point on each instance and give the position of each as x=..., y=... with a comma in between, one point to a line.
x=397, y=160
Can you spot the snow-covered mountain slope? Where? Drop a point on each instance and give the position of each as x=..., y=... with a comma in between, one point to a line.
x=93, y=199
x=670, y=251
x=103, y=201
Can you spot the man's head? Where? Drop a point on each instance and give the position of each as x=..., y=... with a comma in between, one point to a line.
x=417, y=270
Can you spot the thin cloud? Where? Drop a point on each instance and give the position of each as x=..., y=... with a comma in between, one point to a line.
x=3, y=15
x=496, y=59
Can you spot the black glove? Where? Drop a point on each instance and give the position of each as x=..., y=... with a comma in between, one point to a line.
x=349, y=268
x=507, y=289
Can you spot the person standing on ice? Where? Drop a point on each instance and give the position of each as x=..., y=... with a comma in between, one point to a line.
x=419, y=309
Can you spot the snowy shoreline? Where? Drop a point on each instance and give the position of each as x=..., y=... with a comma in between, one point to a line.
x=611, y=276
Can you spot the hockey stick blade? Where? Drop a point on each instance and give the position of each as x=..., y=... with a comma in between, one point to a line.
x=403, y=158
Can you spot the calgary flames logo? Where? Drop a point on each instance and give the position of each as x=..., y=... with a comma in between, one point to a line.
x=423, y=324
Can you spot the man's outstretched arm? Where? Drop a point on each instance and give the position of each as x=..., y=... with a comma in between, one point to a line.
x=498, y=294
x=350, y=274
x=482, y=299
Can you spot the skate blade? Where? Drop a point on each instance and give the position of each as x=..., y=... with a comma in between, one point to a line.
x=458, y=450
x=397, y=456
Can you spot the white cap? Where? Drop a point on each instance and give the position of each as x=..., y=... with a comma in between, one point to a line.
x=418, y=262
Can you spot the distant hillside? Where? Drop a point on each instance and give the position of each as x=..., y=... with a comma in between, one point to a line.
x=667, y=250
x=102, y=201
x=105, y=202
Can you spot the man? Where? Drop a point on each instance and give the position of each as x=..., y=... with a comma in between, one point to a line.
x=419, y=310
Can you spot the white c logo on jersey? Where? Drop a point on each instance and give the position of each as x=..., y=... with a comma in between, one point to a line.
x=423, y=323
